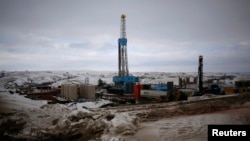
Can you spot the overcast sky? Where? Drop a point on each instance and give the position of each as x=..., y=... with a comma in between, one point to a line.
x=163, y=35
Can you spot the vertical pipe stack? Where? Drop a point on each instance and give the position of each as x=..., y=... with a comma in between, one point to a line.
x=200, y=73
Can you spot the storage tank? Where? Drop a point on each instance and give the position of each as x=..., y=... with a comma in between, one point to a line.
x=72, y=95
x=62, y=90
x=82, y=91
x=90, y=91
x=87, y=91
x=69, y=91
x=65, y=90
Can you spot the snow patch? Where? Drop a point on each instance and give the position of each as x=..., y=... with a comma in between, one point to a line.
x=121, y=125
x=16, y=102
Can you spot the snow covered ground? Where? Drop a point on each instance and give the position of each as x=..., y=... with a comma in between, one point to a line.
x=56, y=78
x=23, y=118
x=74, y=121
x=15, y=102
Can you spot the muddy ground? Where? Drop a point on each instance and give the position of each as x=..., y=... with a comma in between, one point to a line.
x=183, y=120
x=188, y=120
x=194, y=107
x=188, y=127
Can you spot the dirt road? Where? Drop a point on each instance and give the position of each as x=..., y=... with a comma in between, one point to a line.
x=190, y=127
x=188, y=122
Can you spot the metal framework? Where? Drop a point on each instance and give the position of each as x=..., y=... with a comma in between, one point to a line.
x=122, y=50
x=123, y=79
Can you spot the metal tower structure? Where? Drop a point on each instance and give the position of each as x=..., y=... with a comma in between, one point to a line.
x=123, y=79
x=200, y=75
x=122, y=49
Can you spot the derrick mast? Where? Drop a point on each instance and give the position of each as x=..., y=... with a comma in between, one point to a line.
x=122, y=50
x=123, y=79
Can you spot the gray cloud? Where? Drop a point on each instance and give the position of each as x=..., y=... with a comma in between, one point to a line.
x=163, y=35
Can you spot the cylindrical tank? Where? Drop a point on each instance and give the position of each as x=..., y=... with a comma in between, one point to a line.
x=90, y=91
x=62, y=90
x=87, y=91
x=66, y=91
x=82, y=90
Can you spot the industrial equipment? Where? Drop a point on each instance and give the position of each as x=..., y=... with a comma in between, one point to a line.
x=123, y=73
x=200, y=75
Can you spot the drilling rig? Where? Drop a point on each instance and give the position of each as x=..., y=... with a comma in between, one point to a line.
x=122, y=50
x=123, y=77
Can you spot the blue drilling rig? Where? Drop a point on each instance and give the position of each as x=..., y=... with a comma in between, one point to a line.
x=123, y=78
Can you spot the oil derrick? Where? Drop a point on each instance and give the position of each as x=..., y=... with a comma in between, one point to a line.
x=123, y=79
x=122, y=50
